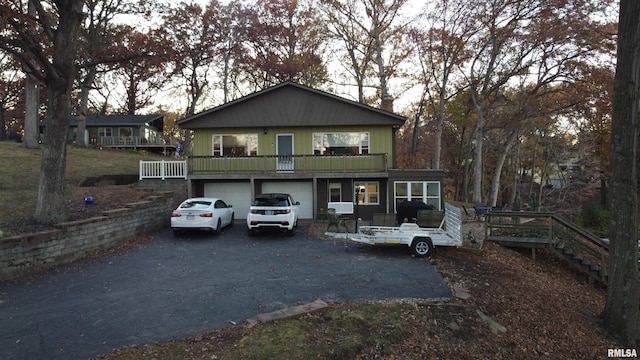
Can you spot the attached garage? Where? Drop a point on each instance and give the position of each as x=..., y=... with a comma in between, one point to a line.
x=238, y=194
x=301, y=191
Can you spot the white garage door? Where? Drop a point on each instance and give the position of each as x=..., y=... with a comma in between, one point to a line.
x=300, y=191
x=237, y=194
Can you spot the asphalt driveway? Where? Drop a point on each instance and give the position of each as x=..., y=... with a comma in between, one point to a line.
x=181, y=287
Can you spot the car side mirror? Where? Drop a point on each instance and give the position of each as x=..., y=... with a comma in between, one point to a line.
x=297, y=203
x=229, y=205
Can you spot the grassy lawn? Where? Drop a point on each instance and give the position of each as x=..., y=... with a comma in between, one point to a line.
x=20, y=173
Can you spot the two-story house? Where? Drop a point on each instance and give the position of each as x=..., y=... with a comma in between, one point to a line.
x=318, y=147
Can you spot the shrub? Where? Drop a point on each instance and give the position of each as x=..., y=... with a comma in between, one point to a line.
x=594, y=217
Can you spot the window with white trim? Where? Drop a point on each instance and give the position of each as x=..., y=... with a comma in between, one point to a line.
x=105, y=131
x=368, y=192
x=235, y=145
x=335, y=192
x=425, y=191
x=341, y=143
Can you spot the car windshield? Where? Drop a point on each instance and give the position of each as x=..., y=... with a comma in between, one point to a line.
x=189, y=204
x=271, y=201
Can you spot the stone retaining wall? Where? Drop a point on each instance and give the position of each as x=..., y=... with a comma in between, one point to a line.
x=178, y=187
x=24, y=254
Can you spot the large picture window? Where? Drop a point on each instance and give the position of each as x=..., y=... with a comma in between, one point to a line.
x=368, y=193
x=347, y=143
x=425, y=191
x=126, y=135
x=235, y=145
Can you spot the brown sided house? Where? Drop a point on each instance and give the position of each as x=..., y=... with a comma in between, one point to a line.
x=322, y=149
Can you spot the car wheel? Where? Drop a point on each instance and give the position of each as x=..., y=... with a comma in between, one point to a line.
x=218, y=227
x=176, y=232
x=291, y=232
x=422, y=247
x=232, y=220
x=251, y=232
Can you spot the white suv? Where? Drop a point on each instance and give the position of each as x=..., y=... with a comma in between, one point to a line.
x=273, y=211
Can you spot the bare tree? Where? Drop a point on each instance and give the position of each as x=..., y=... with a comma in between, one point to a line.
x=285, y=44
x=374, y=41
x=439, y=50
x=234, y=20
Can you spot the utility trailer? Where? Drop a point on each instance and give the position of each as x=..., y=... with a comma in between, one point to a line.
x=420, y=240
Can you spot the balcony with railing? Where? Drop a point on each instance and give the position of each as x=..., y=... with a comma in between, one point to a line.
x=266, y=165
x=298, y=164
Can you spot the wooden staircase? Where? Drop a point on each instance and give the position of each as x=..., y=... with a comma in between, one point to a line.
x=538, y=230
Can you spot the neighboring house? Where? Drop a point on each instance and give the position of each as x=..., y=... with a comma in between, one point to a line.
x=123, y=131
x=316, y=146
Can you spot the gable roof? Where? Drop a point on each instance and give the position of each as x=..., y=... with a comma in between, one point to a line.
x=290, y=104
x=116, y=120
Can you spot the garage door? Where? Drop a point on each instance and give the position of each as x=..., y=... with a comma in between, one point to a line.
x=300, y=191
x=238, y=194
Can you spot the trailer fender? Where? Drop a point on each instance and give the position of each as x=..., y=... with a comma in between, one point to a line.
x=422, y=246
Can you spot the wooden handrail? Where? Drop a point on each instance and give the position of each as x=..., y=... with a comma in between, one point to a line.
x=583, y=242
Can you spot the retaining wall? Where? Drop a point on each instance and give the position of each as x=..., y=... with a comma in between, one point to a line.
x=178, y=187
x=23, y=254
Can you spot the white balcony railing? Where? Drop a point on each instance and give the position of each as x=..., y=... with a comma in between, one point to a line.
x=163, y=169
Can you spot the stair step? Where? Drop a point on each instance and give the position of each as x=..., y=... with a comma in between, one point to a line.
x=559, y=246
x=577, y=257
x=568, y=251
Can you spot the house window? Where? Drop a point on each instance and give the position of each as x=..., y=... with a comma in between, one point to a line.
x=235, y=145
x=126, y=135
x=105, y=131
x=368, y=193
x=425, y=191
x=347, y=143
x=335, y=192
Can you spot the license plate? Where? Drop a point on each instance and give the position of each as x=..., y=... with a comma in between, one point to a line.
x=268, y=212
x=190, y=217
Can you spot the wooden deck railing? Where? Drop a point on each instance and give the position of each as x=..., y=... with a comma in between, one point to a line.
x=131, y=141
x=539, y=229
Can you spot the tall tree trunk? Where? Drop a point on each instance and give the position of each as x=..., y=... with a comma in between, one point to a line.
x=31, y=101
x=384, y=91
x=514, y=200
x=31, y=113
x=534, y=158
x=502, y=156
x=3, y=126
x=477, y=159
x=437, y=145
x=50, y=207
x=467, y=155
x=416, y=126
x=85, y=88
x=621, y=309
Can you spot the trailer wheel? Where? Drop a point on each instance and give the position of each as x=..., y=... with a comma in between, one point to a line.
x=422, y=247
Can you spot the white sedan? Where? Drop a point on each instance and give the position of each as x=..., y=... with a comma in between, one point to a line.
x=202, y=214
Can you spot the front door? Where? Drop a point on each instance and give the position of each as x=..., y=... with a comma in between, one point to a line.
x=284, y=150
